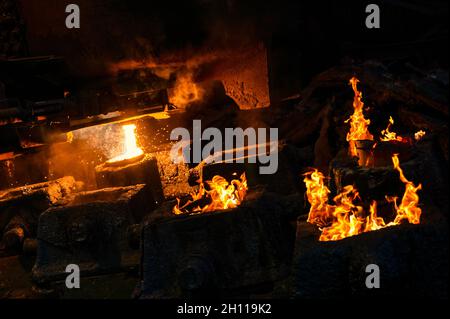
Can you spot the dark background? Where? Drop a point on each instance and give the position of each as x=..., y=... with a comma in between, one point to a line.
x=302, y=37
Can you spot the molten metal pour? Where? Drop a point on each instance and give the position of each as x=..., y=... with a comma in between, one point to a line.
x=130, y=145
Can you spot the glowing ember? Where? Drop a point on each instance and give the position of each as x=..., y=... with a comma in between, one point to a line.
x=387, y=135
x=130, y=145
x=419, y=135
x=359, y=126
x=222, y=195
x=346, y=217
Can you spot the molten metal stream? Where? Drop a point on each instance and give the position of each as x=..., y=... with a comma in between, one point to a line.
x=130, y=145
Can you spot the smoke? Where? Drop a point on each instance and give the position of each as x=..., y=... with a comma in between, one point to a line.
x=185, y=90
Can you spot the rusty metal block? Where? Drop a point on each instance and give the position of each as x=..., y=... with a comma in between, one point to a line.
x=216, y=253
x=24, y=169
x=164, y=179
x=41, y=194
x=93, y=231
x=20, y=207
x=173, y=176
x=413, y=262
x=143, y=170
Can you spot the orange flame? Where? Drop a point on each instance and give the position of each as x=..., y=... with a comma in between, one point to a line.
x=130, y=145
x=346, y=218
x=408, y=208
x=359, y=125
x=222, y=195
x=387, y=135
x=317, y=194
x=373, y=222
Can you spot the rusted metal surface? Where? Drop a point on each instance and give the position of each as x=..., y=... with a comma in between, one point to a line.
x=173, y=176
x=21, y=207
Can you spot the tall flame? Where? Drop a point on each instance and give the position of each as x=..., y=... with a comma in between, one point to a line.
x=221, y=195
x=359, y=125
x=317, y=194
x=130, y=145
x=408, y=208
x=387, y=135
x=346, y=217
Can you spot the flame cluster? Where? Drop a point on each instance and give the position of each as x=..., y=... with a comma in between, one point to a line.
x=359, y=125
x=346, y=217
x=221, y=195
x=387, y=135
